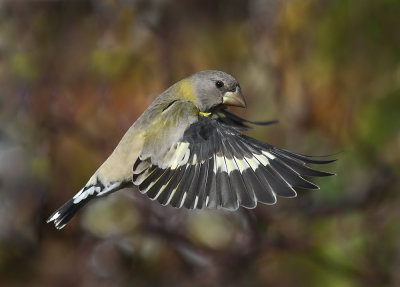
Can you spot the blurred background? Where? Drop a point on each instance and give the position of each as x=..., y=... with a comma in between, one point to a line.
x=74, y=75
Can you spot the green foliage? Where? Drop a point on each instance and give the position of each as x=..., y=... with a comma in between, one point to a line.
x=380, y=120
x=109, y=64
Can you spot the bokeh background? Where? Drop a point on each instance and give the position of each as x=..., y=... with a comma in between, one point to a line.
x=74, y=75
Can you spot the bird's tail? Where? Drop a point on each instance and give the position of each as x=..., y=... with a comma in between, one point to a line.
x=64, y=214
x=92, y=189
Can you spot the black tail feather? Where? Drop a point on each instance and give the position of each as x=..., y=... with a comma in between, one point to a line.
x=64, y=214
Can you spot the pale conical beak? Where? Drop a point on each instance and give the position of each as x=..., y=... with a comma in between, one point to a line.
x=234, y=98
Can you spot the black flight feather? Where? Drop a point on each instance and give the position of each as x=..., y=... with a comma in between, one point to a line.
x=226, y=169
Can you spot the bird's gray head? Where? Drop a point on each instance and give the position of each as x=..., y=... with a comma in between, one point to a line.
x=213, y=88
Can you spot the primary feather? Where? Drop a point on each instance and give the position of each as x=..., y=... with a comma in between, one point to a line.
x=234, y=169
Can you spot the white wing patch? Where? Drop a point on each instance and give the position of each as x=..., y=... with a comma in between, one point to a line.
x=269, y=155
x=262, y=159
x=143, y=176
x=231, y=165
x=181, y=155
x=220, y=164
x=194, y=161
x=242, y=164
x=141, y=167
x=228, y=165
x=252, y=162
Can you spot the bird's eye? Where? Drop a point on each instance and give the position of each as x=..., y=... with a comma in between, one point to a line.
x=219, y=84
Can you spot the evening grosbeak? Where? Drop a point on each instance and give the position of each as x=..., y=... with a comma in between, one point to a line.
x=187, y=150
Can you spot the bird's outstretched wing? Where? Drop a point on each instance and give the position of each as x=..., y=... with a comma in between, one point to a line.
x=226, y=117
x=214, y=165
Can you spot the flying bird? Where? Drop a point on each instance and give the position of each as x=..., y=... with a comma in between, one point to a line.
x=187, y=150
